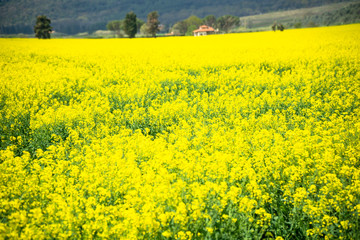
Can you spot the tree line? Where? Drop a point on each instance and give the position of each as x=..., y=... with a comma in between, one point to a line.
x=131, y=25
x=224, y=24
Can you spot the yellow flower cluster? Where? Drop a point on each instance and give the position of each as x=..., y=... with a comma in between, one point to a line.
x=236, y=136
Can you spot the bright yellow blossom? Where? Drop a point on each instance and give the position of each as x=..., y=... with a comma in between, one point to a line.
x=223, y=136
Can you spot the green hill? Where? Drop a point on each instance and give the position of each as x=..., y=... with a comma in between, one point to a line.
x=74, y=16
x=330, y=14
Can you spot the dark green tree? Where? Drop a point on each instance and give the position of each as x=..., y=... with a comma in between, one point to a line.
x=210, y=20
x=180, y=28
x=115, y=26
x=273, y=27
x=190, y=30
x=280, y=27
x=130, y=26
x=227, y=22
x=153, y=23
x=42, y=27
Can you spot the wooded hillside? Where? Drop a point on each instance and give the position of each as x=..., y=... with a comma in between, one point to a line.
x=74, y=16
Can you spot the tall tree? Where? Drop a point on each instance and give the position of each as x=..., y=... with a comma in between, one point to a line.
x=130, y=27
x=227, y=22
x=42, y=27
x=153, y=23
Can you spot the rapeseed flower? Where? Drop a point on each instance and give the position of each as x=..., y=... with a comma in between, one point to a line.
x=225, y=136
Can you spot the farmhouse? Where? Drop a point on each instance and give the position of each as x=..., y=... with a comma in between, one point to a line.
x=203, y=31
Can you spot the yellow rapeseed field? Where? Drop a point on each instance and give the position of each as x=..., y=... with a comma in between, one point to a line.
x=236, y=136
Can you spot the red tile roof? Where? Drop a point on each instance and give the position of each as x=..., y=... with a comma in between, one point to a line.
x=204, y=28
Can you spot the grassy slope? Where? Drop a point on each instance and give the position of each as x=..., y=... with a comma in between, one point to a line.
x=264, y=21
